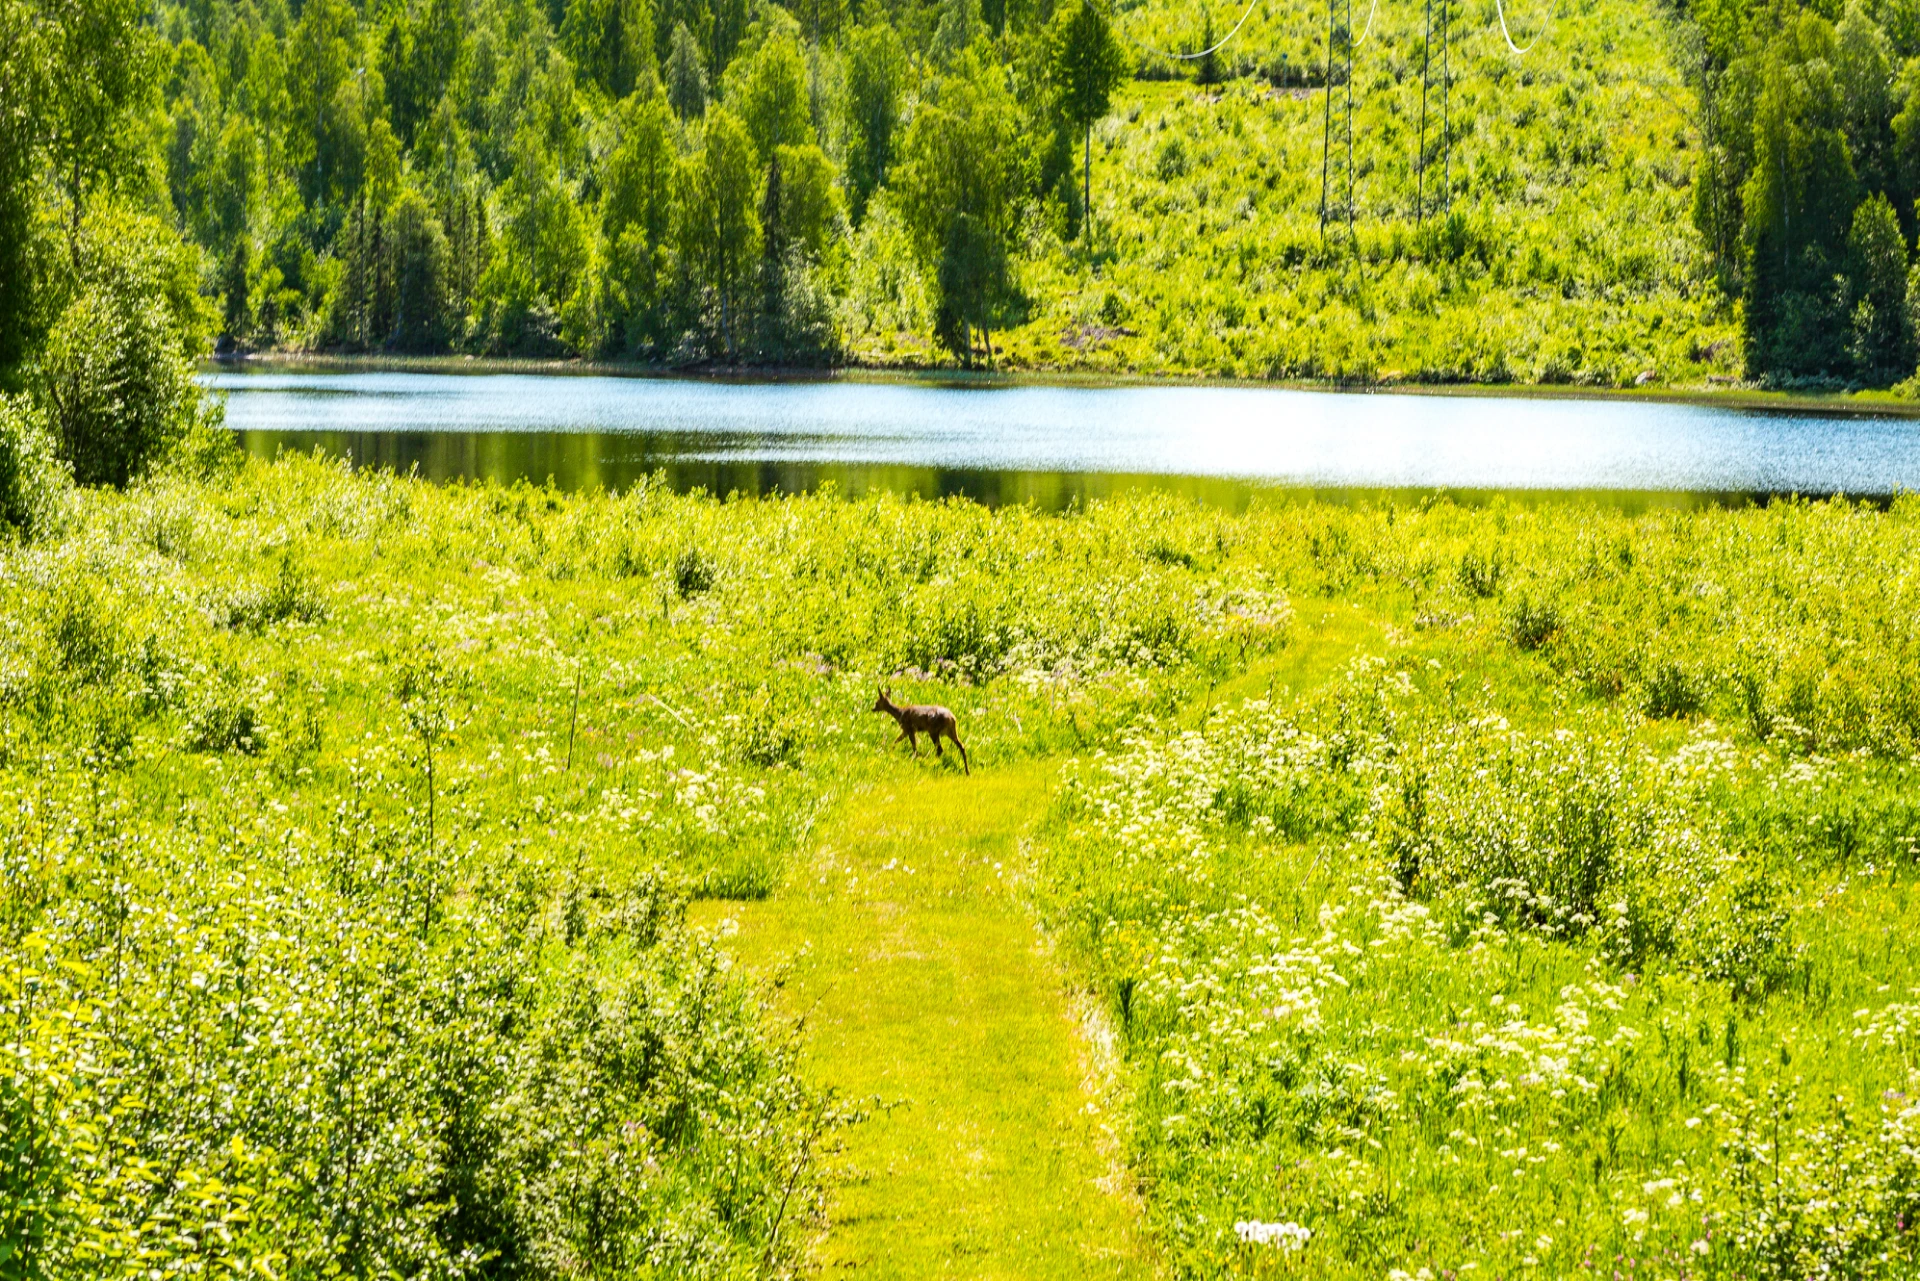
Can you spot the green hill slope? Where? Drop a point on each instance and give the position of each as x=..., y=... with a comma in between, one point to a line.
x=1568, y=254
x=507, y=177
x=1572, y=193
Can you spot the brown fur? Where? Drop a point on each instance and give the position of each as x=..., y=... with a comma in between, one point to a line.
x=915, y=719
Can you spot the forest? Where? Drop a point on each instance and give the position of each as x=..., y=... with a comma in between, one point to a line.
x=1691, y=193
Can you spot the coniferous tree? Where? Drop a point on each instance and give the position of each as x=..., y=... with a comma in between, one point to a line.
x=1088, y=66
x=973, y=283
x=1208, y=72
x=726, y=25
x=610, y=42
x=686, y=76
x=418, y=245
x=1881, y=336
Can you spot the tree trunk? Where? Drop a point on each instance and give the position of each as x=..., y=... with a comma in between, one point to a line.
x=73, y=230
x=1086, y=192
x=360, y=269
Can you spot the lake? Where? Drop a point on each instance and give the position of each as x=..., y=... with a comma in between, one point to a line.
x=1054, y=445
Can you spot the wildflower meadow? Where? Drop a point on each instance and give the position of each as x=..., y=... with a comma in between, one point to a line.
x=1502, y=889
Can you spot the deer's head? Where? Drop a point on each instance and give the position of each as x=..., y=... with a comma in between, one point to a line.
x=883, y=703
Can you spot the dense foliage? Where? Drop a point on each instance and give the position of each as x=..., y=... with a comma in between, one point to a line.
x=1599, y=194
x=317, y=963
x=346, y=832
x=1560, y=930
x=690, y=181
x=801, y=184
x=1806, y=186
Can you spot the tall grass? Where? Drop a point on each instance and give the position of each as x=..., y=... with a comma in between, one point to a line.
x=1549, y=918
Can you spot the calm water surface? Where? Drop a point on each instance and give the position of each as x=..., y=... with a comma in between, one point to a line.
x=1052, y=445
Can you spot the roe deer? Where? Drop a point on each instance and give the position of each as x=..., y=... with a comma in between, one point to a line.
x=934, y=722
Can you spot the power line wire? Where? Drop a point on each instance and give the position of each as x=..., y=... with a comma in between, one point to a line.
x=1372, y=9
x=1189, y=57
x=1339, y=33
x=1426, y=91
x=1501, y=9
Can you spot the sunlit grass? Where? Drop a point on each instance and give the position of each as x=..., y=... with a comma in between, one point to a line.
x=1463, y=885
x=1570, y=257
x=925, y=992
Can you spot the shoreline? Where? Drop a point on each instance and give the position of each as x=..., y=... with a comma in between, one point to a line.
x=1869, y=404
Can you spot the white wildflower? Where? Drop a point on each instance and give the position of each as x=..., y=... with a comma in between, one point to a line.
x=1286, y=1236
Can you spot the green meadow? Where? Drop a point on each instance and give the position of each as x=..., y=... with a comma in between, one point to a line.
x=466, y=881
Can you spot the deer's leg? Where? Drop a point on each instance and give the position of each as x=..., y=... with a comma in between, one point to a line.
x=964, y=759
x=935, y=736
x=913, y=741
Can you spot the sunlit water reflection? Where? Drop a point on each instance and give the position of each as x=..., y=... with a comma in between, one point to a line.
x=1053, y=445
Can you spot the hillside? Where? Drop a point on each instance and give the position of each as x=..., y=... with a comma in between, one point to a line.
x=1568, y=254
x=462, y=177
x=1602, y=194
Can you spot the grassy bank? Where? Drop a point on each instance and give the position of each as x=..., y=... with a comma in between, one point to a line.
x=1489, y=890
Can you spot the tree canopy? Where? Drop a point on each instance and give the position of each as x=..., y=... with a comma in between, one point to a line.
x=511, y=177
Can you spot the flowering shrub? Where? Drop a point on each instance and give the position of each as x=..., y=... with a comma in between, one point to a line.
x=1409, y=978
x=265, y=1049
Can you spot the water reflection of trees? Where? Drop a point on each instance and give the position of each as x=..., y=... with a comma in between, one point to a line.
x=605, y=460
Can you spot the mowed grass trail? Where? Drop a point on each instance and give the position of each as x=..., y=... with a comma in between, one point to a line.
x=927, y=987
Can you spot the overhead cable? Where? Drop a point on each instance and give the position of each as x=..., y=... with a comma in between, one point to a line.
x=1372, y=9
x=1501, y=9
x=1189, y=57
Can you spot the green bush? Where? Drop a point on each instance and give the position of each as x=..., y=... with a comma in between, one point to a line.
x=32, y=481
x=693, y=574
x=1669, y=691
x=1481, y=575
x=290, y=596
x=116, y=377
x=224, y=720
x=766, y=737
x=87, y=641
x=118, y=392
x=1532, y=622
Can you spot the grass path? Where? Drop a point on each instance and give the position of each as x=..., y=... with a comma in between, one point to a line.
x=926, y=985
